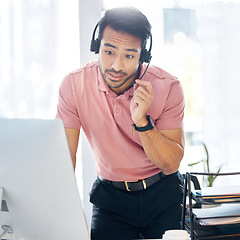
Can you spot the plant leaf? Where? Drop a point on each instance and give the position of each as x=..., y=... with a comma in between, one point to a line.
x=192, y=164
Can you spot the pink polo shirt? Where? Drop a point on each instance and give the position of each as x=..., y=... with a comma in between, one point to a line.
x=86, y=101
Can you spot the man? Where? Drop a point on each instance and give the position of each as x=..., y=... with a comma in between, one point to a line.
x=135, y=132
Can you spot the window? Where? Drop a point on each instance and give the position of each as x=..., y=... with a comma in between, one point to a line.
x=39, y=45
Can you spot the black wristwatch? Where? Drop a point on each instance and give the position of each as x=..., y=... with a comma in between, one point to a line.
x=149, y=126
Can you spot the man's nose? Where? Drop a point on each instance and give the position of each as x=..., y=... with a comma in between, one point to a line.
x=117, y=64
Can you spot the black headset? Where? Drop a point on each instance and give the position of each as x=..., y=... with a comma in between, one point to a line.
x=145, y=54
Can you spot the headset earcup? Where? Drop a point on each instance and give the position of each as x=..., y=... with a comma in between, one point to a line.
x=142, y=56
x=145, y=56
x=97, y=44
x=94, y=47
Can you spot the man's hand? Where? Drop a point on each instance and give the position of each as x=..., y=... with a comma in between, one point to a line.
x=164, y=148
x=141, y=101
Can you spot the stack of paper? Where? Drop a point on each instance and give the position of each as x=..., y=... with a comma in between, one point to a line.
x=220, y=215
x=219, y=194
x=223, y=190
x=223, y=214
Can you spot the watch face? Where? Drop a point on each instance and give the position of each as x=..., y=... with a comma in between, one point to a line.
x=151, y=121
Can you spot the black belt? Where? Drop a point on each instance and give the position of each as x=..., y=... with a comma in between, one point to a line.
x=135, y=185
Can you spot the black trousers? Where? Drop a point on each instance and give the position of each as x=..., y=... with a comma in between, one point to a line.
x=142, y=214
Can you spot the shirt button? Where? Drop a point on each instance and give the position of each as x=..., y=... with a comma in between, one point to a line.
x=117, y=110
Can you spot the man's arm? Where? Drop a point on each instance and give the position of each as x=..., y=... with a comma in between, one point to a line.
x=164, y=148
x=73, y=137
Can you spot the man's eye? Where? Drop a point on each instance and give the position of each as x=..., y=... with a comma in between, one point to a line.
x=109, y=52
x=129, y=56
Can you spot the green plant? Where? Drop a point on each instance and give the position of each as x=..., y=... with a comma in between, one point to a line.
x=209, y=179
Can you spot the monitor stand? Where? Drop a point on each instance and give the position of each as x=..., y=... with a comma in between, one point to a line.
x=1, y=197
x=6, y=228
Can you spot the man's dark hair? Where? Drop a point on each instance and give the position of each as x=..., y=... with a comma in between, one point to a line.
x=128, y=20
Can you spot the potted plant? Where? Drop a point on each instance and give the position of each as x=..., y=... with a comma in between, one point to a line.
x=209, y=179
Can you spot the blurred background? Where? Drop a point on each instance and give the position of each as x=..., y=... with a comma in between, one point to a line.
x=198, y=41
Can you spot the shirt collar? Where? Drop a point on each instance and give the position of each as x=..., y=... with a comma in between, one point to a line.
x=101, y=83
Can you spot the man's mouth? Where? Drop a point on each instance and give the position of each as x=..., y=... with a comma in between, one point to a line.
x=113, y=76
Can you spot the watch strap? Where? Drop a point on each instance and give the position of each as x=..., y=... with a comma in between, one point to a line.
x=149, y=126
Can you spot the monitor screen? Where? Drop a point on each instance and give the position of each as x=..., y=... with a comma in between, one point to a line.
x=40, y=198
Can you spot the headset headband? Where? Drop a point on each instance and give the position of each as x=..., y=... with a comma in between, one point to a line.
x=145, y=54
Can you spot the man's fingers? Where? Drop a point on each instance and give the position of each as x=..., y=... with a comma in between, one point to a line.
x=143, y=93
x=145, y=84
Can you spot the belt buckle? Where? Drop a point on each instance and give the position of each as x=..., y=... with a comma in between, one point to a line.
x=143, y=182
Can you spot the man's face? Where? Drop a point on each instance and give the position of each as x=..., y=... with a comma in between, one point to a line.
x=119, y=55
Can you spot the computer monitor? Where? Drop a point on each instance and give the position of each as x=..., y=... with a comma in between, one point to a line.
x=40, y=198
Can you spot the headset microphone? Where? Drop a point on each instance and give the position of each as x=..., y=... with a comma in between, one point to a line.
x=149, y=57
x=146, y=58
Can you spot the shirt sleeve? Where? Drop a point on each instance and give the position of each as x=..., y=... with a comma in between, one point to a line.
x=66, y=107
x=173, y=111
